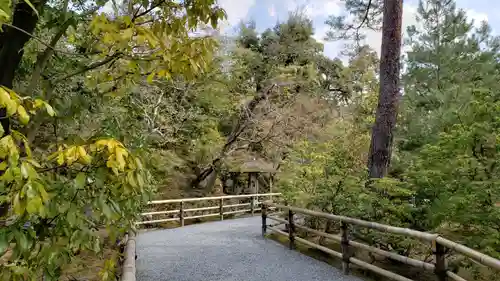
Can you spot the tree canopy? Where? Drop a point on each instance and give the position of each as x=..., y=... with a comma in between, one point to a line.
x=105, y=105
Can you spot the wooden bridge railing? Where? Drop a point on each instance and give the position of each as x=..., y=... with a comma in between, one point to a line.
x=183, y=212
x=438, y=243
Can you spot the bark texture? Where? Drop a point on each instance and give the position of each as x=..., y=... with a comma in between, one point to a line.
x=12, y=41
x=382, y=132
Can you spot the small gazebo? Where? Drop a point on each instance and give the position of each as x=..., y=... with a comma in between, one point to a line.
x=253, y=166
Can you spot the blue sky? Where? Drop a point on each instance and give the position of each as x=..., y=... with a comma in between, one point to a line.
x=267, y=12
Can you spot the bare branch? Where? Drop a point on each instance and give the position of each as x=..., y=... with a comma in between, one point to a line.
x=95, y=65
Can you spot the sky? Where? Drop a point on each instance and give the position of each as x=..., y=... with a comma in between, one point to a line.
x=267, y=12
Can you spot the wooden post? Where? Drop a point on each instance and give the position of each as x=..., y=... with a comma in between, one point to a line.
x=181, y=213
x=291, y=230
x=221, y=209
x=264, y=218
x=252, y=205
x=440, y=258
x=344, y=244
x=270, y=186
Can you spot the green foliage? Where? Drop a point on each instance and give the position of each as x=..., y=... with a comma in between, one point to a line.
x=108, y=69
x=444, y=168
x=449, y=131
x=58, y=202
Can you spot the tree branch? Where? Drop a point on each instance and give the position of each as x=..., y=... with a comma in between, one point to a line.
x=44, y=57
x=90, y=67
x=136, y=16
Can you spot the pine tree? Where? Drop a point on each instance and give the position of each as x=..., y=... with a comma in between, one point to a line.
x=450, y=129
x=380, y=154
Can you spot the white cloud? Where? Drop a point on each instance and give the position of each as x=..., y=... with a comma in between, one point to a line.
x=374, y=38
x=236, y=11
x=315, y=8
x=476, y=16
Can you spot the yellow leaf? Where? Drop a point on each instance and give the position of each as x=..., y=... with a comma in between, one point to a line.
x=11, y=107
x=138, y=163
x=150, y=77
x=60, y=159
x=120, y=160
x=87, y=159
x=18, y=206
x=71, y=155
x=81, y=151
x=38, y=103
x=34, y=163
x=127, y=20
x=111, y=161
x=34, y=205
x=128, y=33
x=43, y=193
x=140, y=180
x=24, y=170
x=49, y=109
x=131, y=180
x=23, y=115
x=53, y=155
x=4, y=96
x=3, y=166
x=7, y=147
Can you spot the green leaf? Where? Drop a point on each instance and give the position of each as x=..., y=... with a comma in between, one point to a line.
x=72, y=217
x=41, y=190
x=18, y=205
x=80, y=180
x=22, y=241
x=4, y=243
x=3, y=165
x=49, y=109
x=34, y=205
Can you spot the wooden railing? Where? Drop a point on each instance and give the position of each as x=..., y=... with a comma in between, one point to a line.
x=438, y=243
x=183, y=212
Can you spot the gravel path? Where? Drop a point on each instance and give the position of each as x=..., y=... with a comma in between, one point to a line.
x=231, y=250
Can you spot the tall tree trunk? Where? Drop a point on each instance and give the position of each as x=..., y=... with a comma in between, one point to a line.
x=382, y=133
x=12, y=44
x=12, y=41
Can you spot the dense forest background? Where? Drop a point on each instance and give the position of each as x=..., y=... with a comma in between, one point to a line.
x=102, y=111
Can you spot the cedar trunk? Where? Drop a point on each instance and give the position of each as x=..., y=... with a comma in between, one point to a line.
x=382, y=132
x=12, y=42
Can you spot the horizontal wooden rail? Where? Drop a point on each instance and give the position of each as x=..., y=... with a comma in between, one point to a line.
x=212, y=198
x=201, y=216
x=160, y=213
x=157, y=221
x=378, y=270
x=473, y=254
x=454, y=276
x=373, y=225
x=200, y=209
x=319, y=247
x=320, y=233
x=222, y=209
x=277, y=219
x=237, y=205
x=439, y=244
x=394, y=256
x=237, y=212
